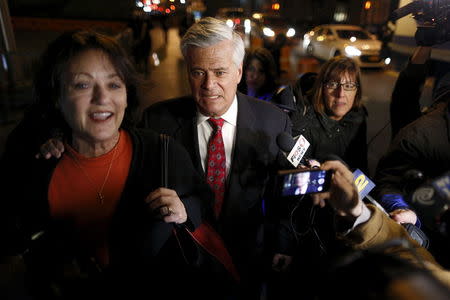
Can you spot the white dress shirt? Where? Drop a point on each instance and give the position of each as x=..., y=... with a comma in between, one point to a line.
x=204, y=131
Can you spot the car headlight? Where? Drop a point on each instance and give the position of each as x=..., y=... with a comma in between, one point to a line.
x=230, y=23
x=268, y=32
x=290, y=32
x=352, y=51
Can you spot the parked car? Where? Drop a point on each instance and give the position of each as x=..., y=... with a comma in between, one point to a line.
x=327, y=41
x=270, y=25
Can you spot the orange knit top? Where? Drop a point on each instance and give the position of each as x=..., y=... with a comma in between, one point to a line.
x=74, y=190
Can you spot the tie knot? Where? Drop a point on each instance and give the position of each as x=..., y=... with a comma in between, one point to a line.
x=216, y=123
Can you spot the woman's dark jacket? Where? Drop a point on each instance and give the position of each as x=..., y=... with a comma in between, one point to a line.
x=346, y=138
x=136, y=237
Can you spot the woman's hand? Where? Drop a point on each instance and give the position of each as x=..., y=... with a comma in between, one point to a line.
x=403, y=215
x=343, y=196
x=51, y=148
x=166, y=204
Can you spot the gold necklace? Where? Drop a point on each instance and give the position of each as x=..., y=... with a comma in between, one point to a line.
x=99, y=193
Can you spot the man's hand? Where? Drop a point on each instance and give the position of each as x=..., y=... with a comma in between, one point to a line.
x=404, y=215
x=343, y=196
x=52, y=148
x=166, y=204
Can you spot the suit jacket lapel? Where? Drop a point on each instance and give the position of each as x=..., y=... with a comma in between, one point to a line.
x=245, y=123
x=187, y=135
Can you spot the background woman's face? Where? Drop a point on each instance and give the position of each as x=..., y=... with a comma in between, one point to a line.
x=94, y=98
x=254, y=75
x=339, y=102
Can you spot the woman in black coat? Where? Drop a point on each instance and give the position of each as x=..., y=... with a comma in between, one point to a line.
x=332, y=117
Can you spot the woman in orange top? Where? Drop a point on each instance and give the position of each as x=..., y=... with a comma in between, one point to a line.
x=98, y=210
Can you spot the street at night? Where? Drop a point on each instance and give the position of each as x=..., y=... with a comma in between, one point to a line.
x=241, y=149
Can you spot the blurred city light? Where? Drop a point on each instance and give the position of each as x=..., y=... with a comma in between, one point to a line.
x=290, y=32
x=352, y=51
x=268, y=32
x=340, y=16
x=230, y=23
x=4, y=62
x=155, y=57
x=247, y=26
x=257, y=16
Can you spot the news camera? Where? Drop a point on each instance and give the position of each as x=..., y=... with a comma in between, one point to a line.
x=432, y=16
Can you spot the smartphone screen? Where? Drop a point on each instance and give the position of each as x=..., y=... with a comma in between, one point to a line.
x=296, y=183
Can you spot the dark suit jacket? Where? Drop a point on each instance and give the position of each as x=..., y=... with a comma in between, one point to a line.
x=256, y=158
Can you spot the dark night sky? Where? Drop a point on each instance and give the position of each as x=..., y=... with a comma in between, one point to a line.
x=90, y=9
x=305, y=10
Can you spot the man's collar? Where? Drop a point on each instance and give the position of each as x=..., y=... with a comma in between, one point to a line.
x=230, y=116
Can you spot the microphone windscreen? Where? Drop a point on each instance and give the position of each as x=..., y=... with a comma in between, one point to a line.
x=285, y=142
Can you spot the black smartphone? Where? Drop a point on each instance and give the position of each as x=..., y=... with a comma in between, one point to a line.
x=294, y=183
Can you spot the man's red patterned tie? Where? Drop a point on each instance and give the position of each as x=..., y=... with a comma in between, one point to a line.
x=216, y=168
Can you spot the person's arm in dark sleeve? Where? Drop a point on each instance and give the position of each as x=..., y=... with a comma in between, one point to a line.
x=405, y=105
x=390, y=179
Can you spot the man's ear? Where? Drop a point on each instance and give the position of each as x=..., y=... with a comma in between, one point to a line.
x=240, y=72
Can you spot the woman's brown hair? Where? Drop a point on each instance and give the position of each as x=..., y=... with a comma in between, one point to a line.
x=334, y=69
x=49, y=79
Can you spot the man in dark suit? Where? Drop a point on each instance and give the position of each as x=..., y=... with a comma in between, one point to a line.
x=214, y=55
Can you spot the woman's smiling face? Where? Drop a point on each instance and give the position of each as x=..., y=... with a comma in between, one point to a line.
x=94, y=98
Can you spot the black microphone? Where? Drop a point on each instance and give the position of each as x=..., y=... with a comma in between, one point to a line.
x=431, y=199
x=285, y=142
x=293, y=148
